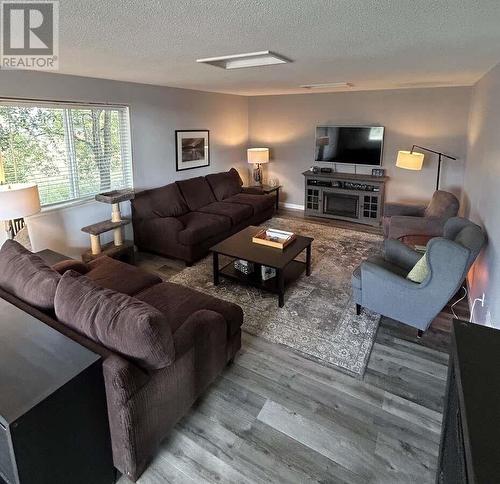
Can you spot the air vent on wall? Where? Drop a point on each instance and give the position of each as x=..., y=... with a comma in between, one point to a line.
x=239, y=61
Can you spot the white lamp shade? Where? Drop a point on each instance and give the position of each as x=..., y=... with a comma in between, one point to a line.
x=410, y=160
x=258, y=155
x=18, y=200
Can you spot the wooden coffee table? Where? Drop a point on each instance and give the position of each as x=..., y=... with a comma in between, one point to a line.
x=240, y=246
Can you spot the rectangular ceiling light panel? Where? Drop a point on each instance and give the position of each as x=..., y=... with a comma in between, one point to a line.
x=239, y=61
x=328, y=85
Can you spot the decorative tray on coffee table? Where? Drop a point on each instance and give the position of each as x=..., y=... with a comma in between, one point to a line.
x=278, y=239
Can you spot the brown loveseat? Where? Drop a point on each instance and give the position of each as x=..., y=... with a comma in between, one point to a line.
x=162, y=344
x=184, y=219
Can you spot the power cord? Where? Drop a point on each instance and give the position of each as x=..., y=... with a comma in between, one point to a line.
x=478, y=299
x=452, y=307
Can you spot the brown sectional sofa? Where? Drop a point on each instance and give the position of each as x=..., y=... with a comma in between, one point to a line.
x=162, y=344
x=184, y=219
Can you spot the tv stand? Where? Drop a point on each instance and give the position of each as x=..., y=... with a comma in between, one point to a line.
x=345, y=196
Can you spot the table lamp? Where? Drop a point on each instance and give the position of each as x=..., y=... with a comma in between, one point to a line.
x=413, y=160
x=257, y=156
x=17, y=200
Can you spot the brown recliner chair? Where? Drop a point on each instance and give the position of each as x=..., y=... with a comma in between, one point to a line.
x=403, y=220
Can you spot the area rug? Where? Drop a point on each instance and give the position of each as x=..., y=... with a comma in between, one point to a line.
x=319, y=319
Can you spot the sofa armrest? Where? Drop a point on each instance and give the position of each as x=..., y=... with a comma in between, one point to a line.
x=400, y=254
x=123, y=379
x=401, y=226
x=374, y=277
x=71, y=265
x=155, y=232
x=392, y=209
x=199, y=328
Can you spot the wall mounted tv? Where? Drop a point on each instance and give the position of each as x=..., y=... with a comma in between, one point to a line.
x=353, y=145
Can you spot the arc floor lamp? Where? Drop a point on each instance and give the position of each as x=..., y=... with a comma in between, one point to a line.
x=413, y=160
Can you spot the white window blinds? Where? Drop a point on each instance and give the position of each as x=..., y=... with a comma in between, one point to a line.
x=71, y=151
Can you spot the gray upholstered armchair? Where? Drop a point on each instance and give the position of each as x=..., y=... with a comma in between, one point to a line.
x=380, y=283
x=402, y=220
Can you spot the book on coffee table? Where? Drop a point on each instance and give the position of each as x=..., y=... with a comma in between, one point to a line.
x=274, y=238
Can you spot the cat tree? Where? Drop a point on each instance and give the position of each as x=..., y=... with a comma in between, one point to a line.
x=119, y=248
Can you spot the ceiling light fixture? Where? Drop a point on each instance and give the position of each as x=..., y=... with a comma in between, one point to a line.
x=327, y=85
x=239, y=61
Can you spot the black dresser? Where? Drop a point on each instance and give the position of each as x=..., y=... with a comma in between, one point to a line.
x=470, y=442
x=53, y=420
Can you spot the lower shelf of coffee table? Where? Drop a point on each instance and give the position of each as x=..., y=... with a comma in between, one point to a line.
x=291, y=272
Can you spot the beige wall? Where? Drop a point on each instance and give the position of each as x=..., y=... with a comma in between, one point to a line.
x=155, y=112
x=436, y=118
x=481, y=195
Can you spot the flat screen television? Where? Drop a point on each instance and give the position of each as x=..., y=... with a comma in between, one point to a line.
x=353, y=145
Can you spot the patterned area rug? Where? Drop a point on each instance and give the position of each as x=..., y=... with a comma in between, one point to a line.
x=318, y=319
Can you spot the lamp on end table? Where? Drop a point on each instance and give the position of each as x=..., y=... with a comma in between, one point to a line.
x=17, y=200
x=257, y=156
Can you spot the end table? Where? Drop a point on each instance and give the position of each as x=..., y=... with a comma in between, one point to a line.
x=265, y=189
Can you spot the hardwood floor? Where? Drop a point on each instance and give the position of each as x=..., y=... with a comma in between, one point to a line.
x=275, y=416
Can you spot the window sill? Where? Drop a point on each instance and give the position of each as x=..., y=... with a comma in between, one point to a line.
x=64, y=206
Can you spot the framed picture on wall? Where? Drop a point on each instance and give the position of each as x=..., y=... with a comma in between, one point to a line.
x=192, y=149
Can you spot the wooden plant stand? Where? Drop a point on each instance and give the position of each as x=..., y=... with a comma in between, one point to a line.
x=118, y=249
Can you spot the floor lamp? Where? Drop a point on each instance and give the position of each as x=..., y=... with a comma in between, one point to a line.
x=17, y=200
x=413, y=160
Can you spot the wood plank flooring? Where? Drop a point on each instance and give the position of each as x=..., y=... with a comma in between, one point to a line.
x=275, y=416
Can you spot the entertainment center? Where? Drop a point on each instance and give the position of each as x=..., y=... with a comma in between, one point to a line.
x=345, y=196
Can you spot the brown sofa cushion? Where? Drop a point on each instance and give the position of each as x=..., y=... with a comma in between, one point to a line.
x=225, y=184
x=259, y=203
x=237, y=212
x=26, y=276
x=196, y=192
x=119, y=276
x=165, y=201
x=199, y=227
x=119, y=322
x=178, y=302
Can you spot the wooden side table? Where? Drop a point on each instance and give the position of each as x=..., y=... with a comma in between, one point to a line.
x=417, y=242
x=266, y=189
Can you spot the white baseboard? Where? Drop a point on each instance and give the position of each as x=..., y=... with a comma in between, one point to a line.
x=293, y=206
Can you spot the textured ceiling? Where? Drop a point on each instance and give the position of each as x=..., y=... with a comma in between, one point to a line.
x=374, y=44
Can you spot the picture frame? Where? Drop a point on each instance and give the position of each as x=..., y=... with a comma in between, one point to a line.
x=192, y=148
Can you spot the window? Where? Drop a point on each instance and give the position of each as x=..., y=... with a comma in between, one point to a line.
x=71, y=151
